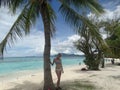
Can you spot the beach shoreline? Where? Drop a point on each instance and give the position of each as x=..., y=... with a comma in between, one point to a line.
x=105, y=79
x=35, y=76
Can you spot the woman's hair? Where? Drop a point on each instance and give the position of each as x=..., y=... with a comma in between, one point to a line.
x=59, y=54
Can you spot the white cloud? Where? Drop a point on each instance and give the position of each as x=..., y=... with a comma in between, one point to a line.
x=65, y=46
x=29, y=46
x=109, y=14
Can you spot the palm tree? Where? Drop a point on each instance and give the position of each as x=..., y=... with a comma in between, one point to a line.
x=91, y=46
x=33, y=9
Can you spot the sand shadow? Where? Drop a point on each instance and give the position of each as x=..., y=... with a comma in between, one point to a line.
x=66, y=85
x=77, y=85
x=26, y=85
x=85, y=72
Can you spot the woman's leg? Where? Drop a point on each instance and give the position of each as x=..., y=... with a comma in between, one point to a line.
x=58, y=76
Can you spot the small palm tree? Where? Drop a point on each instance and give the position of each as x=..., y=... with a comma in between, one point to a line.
x=33, y=9
x=89, y=44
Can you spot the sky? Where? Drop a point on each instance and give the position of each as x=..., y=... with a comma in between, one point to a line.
x=62, y=42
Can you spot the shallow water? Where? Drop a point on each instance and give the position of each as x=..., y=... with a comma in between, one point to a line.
x=18, y=64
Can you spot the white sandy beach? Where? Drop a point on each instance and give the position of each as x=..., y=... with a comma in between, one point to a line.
x=105, y=79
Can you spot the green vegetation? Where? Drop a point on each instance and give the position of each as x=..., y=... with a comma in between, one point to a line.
x=92, y=45
x=112, y=28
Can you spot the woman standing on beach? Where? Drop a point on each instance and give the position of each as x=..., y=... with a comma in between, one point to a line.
x=58, y=68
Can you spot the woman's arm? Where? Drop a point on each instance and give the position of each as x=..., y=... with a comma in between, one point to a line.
x=53, y=62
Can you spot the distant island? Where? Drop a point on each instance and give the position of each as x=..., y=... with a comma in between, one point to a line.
x=63, y=55
x=70, y=55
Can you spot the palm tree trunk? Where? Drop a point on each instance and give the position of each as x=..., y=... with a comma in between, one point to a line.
x=48, y=82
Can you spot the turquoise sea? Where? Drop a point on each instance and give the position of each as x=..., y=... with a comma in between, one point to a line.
x=16, y=64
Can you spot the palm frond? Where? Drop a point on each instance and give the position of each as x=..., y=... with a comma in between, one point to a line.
x=14, y=4
x=92, y=5
x=4, y=2
x=75, y=19
x=21, y=26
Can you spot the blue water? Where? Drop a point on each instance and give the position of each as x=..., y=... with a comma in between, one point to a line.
x=12, y=65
